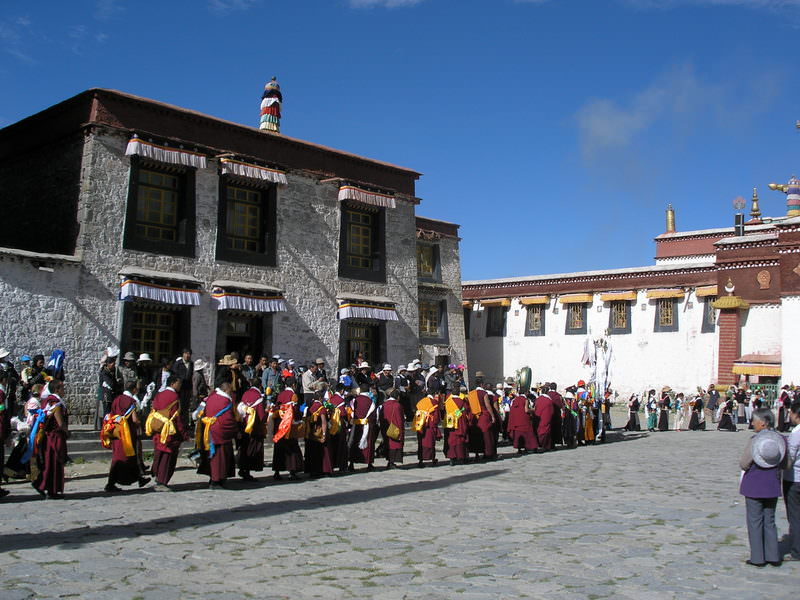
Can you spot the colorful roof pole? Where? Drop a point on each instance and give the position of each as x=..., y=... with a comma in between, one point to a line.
x=271, y=107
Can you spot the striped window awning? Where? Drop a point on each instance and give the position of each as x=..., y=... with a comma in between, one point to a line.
x=249, y=297
x=228, y=166
x=351, y=192
x=157, y=286
x=166, y=154
x=614, y=296
x=706, y=290
x=529, y=300
x=496, y=302
x=366, y=307
x=666, y=293
x=576, y=298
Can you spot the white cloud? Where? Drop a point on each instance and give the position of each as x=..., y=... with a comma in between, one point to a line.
x=383, y=3
x=223, y=7
x=677, y=100
x=107, y=9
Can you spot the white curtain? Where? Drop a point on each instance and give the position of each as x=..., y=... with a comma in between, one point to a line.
x=241, y=169
x=230, y=301
x=160, y=293
x=349, y=192
x=362, y=310
x=165, y=154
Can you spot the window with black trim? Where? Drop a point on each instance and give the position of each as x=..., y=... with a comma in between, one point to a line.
x=433, y=320
x=709, y=315
x=576, y=318
x=496, y=321
x=428, y=268
x=160, y=215
x=666, y=315
x=247, y=222
x=158, y=329
x=362, y=243
x=534, y=319
x=467, y=321
x=619, y=317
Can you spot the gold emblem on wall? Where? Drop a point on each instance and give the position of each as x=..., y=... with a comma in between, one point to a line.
x=797, y=269
x=763, y=279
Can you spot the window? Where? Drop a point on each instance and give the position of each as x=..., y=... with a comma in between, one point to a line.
x=619, y=319
x=496, y=321
x=534, y=319
x=576, y=318
x=433, y=320
x=467, y=317
x=247, y=217
x=709, y=316
x=361, y=341
x=428, y=262
x=159, y=330
x=361, y=249
x=160, y=214
x=243, y=332
x=666, y=315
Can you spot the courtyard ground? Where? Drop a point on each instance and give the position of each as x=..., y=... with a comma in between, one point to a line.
x=643, y=516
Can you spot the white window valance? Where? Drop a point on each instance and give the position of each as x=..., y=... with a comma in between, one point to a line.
x=250, y=301
x=351, y=192
x=166, y=154
x=242, y=169
x=158, y=292
x=363, y=308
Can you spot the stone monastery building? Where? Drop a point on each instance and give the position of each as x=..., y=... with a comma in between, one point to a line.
x=132, y=223
x=719, y=306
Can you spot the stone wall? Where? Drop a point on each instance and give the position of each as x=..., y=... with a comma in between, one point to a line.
x=450, y=269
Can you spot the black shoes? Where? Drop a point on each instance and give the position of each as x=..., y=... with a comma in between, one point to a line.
x=752, y=564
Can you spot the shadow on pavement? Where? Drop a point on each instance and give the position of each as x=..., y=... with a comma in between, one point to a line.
x=123, y=530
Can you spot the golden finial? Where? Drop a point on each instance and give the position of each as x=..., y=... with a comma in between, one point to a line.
x=670, y=219
x=755, y=212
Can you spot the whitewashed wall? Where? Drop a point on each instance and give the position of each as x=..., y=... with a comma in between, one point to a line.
x=643, y=358
x=790, y=337
x=761, y=330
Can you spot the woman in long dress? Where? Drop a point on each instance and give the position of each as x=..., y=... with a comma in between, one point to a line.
x=663, y=412
x=681, y=412
x=726, y=419
x=633, y=414
x=650, y=410
x=697, y=422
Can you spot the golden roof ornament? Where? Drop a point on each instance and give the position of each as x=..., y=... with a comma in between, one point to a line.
x=670, y=219
x=755, y=212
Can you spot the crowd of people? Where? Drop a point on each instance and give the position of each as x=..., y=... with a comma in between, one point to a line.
x=362, y=414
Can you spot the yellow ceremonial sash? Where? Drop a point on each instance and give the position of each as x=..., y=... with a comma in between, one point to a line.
x=250, y=419
x=335, y=423
x=167, y=423
x=453, y=413
x=207, y=423
x=310, y=430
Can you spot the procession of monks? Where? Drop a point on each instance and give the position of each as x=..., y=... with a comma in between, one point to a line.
x=340, y=427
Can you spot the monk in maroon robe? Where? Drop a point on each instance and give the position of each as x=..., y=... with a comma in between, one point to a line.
x=165, y=454
x=427, y=436
x=392, y=413
x=558, y=408
x=53, y=449
x=220, y=417
x=318, y=454
x=543, y=409
x=254, y=430
x=520, y=425
x=337, y=442
x=364, y=432
x=125, y=469
x=458, y=414
x=486, y=424
x=286, y=454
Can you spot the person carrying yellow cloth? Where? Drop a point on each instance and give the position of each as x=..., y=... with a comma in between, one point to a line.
x=125, y=460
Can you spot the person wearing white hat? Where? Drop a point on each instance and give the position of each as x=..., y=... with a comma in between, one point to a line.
x=402, y=384
x=199, y=383
x=762, y=461
x=386, y=379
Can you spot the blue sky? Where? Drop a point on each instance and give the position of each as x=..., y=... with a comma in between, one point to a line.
x=554, y=131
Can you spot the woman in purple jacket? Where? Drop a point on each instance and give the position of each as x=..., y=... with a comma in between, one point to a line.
x=762, y=462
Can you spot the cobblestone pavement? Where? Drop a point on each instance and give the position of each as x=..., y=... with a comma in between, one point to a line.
x=645, y=516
